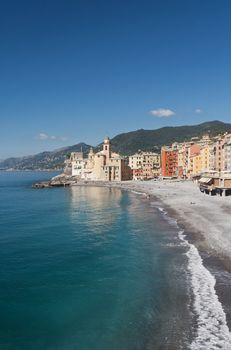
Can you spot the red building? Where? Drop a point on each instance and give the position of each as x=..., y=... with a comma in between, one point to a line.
x=169, y=162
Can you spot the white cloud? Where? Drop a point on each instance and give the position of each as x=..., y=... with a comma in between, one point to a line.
x=162, y=113
x=198, y=111
x=42, y=136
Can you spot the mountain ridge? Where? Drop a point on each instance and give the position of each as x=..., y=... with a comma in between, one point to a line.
x=43, y=160
x=143, y=139
x=125, y=143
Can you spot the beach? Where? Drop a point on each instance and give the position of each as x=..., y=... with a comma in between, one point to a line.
x=206, y=226
x=206, y=216
x=202, y=225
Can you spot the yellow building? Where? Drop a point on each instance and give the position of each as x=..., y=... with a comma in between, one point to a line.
x=183, y=159
x=201, y=161
x=196, y=164
x=145, y=165
x=205, y=158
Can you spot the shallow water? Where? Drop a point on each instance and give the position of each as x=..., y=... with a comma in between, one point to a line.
x=90, y=268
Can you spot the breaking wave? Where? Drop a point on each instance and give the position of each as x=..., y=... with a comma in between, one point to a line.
x=212, y=330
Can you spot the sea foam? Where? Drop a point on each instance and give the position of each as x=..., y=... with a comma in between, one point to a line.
x=212, y=329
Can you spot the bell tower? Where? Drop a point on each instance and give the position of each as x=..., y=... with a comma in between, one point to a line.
x=91, y=153
x=107, y=148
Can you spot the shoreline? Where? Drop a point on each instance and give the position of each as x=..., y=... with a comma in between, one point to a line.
x=191, y=209
x=214, y=260
x=205, y=217
x=204, y=228
x=209, y=267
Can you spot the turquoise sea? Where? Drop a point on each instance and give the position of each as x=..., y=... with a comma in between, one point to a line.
x=90, y=268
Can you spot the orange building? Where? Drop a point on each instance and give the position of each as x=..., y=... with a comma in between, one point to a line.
x=169, y=162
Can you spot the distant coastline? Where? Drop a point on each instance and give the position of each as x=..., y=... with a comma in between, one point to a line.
x=30, y=170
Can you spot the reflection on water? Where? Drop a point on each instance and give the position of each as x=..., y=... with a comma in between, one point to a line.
x=88, y=268
x=102, y=207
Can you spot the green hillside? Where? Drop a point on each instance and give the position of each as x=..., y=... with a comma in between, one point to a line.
x=126, y=144
x=44, y=160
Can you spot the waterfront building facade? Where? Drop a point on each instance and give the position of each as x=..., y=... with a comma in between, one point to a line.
x=104, y=165
x=182, y=160
x=77, y=163
x=197, y=156
x=169, y=161
x=144, y=165
x=218, y=148
x=227, y=153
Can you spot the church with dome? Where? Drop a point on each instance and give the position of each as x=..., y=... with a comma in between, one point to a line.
x=104, y=165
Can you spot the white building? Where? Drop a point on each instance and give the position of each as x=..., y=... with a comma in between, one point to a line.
x=78, y=164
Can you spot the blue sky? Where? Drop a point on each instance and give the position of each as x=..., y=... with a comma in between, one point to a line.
x=73, y=71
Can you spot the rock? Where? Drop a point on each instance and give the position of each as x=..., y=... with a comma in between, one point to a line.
x=41, y=185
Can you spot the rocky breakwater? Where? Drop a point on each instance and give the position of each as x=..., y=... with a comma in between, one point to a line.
x=57, y=181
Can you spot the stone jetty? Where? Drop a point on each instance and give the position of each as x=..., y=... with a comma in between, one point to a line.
x=57, y=181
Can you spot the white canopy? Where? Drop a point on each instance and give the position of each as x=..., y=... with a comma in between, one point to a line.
x=205, y=180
